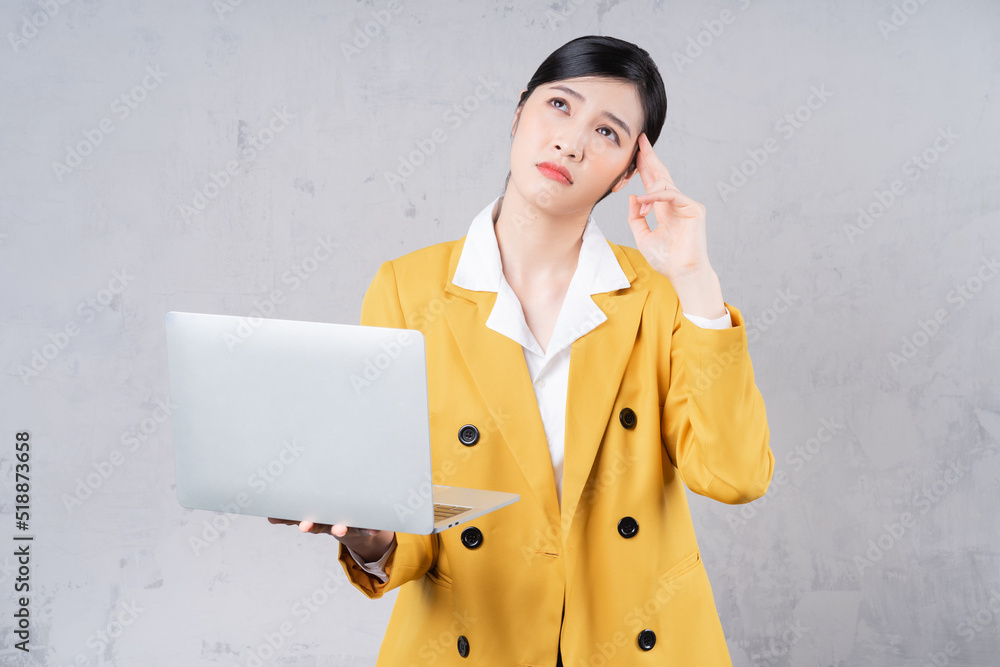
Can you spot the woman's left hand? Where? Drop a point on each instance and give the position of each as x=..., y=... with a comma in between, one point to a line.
x=677, y=247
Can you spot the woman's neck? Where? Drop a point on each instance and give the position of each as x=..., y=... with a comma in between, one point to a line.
x=536, y=248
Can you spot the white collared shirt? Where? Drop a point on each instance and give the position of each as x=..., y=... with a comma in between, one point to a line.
x=597, y=270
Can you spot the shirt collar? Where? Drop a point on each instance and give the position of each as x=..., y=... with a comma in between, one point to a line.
x=479, y=268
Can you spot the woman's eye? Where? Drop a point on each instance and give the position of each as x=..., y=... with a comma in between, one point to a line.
x=613, y=135
x=558, y=100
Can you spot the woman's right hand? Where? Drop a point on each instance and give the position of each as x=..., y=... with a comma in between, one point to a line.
x=368, y=543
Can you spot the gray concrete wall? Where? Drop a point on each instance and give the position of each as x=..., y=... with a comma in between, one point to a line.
x=847, y=155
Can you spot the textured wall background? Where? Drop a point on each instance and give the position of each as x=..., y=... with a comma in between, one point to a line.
x=199, y=155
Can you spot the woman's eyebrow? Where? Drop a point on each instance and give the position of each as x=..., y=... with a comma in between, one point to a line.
x=607, y=114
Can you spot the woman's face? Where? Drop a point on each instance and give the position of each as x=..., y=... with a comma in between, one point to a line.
x=588, y=125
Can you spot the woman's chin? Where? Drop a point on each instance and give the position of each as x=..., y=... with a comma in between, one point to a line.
x=546, y=193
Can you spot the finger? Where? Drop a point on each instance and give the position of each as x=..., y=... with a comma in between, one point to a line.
x=636, y=221
x=651, y=169
x=339, y=529
x=659, y=188
x=673, y=196
x=649, y=155
x=662, y=194
x=318, y=528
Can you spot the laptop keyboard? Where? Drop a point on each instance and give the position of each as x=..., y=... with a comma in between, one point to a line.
x=442, y=511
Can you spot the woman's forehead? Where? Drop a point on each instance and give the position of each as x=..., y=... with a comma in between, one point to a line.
x=597, y=83
x=616, y=95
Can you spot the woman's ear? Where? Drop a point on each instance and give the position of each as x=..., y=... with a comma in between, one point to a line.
x=513, y=124
x=623, y=181
x=625, y=177
x=630, y=170
x=517, y=112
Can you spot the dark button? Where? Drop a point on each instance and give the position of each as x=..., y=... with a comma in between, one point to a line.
x=468, y=435
x=628, y=526
x=463, y=646
x=627, y=417
x=646, y=639
x=472, y=537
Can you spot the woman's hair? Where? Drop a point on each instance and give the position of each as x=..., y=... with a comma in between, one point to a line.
x=595, y=55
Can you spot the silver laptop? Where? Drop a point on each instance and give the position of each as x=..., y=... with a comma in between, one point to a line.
x=309, y=421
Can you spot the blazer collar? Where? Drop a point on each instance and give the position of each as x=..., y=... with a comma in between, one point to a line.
x=498, y=368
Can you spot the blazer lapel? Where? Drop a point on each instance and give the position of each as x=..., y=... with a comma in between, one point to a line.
x=498, y=368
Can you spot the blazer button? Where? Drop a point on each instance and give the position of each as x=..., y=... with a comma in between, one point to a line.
x=463, y=646
x=647, y=638
x=472, y=537
x=627, y=418
x=628, y=527
x=468, y=435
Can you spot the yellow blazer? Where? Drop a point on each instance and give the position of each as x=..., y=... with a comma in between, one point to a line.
x=615, y=575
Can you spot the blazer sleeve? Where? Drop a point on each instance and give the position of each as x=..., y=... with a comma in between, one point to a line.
x=414, y=554
x=714, y=424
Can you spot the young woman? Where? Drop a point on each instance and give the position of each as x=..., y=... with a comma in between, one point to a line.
x=597, y=379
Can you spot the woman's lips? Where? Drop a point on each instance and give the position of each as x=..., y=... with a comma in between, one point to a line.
x=548, y=169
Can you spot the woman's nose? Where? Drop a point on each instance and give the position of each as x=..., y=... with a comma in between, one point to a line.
x=567, y=151
x=570, y=145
